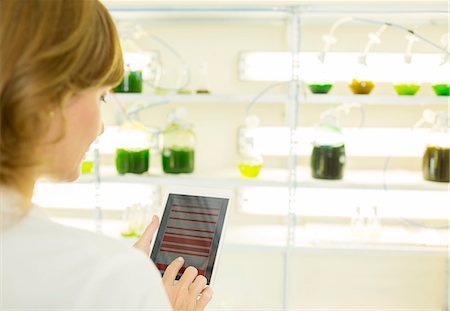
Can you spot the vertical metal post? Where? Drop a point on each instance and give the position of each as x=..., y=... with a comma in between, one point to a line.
x=292, y=120
x=447, y=286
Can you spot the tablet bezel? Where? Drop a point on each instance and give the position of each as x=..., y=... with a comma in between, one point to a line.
x=199, y=192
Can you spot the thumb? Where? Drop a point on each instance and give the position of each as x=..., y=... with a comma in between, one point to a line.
x=147, y=236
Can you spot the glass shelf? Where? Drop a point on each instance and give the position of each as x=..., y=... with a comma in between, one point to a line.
x=309, y=238
x=312, y=99
x=394, y=180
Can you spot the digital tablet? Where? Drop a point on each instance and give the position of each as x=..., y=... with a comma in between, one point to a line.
x=192, y=227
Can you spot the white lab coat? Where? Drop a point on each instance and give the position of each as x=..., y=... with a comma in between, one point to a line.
x=47, y=266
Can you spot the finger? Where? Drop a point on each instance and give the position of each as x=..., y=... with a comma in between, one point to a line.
x=147, y=236
x=172, y=270
x=205, y=298
x=197, y=286
x=188, y=277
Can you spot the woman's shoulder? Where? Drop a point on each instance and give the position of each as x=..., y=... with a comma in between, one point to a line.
x=88, y=269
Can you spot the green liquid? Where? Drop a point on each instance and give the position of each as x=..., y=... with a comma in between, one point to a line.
x=86, y=167
x=134, y=83
x=327, y=162
x=442, y=89
x=248, y=170
x=132, y=161
x=436, y=164
x=175, y=161
x=320, y=88
x=161, y=92
x=202, y=91
x=184, y=92
x=406, y=89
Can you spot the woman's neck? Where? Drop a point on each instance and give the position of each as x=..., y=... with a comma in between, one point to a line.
x=24, y=190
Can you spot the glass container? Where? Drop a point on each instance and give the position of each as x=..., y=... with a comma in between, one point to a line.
x=436, y=157
x=132, y=152
x=441, y=79
x=131, y=83
x=406, y=81
x=328, y=154
x=178, y=154
x=362, y=80
x=250, y=161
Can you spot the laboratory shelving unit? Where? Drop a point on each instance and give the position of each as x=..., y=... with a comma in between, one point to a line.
x=291, y=238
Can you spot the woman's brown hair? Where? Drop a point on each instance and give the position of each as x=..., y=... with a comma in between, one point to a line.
x=50, y=50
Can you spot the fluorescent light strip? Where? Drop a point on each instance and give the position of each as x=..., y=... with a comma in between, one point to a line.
x=342, y=203
x=381, y=67
x=365, y=142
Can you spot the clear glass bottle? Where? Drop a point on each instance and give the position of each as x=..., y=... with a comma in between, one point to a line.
x=436, y=157
x=250, y=161
x=132, y=152
x=178, y=154
x=328, y=154
x=203, y=86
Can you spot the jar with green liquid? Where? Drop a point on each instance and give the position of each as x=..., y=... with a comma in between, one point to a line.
x=178, y=160
x=436, y=157
x=250, y=161
x=441, y=89
x=441, y=79
x=327, y=162
x=320, y=88
x=408, y=89
x=135, y=161
x=328, y=154
x=250, y=164
x=131, y=82
x=319, y=80
x=132, y=151
x=178, y=154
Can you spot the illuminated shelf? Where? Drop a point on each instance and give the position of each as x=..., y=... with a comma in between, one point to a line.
x=374, y=99
x=309, y=238
x=393, y=180
x=196, y=98
x=270, y=99
x=224, y=179
x=334, y=238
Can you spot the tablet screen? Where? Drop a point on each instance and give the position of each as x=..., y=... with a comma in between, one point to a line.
x=191, y=227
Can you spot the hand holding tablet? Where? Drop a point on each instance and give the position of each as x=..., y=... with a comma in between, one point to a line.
x=190, y=292
x=191, y=227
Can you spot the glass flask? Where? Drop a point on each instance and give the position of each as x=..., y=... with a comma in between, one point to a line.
x=441, y=80
x=132, y=152
x=436, y=157
x=319, y=81
x=328, y=154
x=136, y=217
x=203, y=86
x=361, y=83
x=178, y=154
x=406, y=82
x=250, y=161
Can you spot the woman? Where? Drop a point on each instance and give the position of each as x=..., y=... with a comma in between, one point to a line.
x=57, y=59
